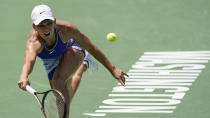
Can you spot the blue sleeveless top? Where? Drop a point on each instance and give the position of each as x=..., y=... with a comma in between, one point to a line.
x=58, y=48
x=50, y=57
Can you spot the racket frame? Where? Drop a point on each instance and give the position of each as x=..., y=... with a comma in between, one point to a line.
x=41, y=103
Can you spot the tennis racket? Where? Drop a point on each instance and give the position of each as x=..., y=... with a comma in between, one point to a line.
x=53, y=104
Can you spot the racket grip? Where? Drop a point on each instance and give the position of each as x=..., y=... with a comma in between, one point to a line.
x=30, y=89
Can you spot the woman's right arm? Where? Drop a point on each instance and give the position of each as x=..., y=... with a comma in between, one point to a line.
x=33, y=46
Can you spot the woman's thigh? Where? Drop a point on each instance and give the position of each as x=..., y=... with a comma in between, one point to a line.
x=69, y=63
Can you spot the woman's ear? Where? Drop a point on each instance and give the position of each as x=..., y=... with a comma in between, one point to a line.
x=34, y=27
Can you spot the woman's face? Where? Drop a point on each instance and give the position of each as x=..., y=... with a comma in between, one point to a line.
x=45, y=29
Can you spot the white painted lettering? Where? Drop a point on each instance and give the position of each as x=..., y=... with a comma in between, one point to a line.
x=132, y=101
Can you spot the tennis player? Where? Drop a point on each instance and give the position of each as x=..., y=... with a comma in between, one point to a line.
x=60, y=45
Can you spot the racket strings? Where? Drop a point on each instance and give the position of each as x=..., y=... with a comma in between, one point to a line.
x=54, y=105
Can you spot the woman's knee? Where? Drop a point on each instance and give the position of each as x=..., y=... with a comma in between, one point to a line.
x=74, y=52
x=73, y=56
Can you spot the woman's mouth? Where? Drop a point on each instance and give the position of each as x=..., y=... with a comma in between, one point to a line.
x=47, y=34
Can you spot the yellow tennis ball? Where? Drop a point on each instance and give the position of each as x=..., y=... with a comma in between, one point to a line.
x=111, y=37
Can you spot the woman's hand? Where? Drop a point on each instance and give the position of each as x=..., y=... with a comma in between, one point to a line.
x=23, y=81
x=119, y=75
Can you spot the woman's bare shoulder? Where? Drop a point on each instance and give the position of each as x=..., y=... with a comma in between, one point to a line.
x=66, y=29
x=33, y=40
x=33, y=36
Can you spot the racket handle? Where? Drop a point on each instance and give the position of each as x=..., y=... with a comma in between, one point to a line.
x=30, y=89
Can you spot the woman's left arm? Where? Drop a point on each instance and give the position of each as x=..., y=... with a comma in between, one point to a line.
x=85, y=43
